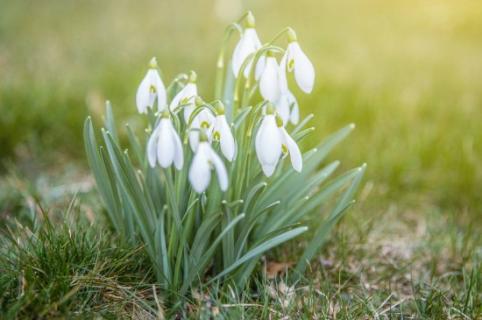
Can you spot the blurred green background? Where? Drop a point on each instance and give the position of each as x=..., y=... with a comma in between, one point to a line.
x=408, y=73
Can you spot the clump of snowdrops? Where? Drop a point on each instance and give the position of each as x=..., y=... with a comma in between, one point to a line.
x=213, y=184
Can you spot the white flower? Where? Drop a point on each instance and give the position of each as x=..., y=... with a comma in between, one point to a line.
x=295, y=60
x=272, y=140
x=248, y=44
x=287, y=107
x=268, y=144
x=203, y=120
x=289, y=146
x=186, y=97
x=164, y=145
x=204, y=161
x=269, y=82
x=151, y=87
x=222, y=132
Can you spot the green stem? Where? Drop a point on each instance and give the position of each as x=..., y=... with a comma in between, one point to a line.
x=279, y=35
x=220, y=65
x=176, y=227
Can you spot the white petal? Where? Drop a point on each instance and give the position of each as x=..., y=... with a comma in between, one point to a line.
x=241, y=51
x=177, y=98
x=165, y=146
x=268, y=169
x=194, y=139
x=268, y=142
x=260, y=67
x=304, y=70
x=295, y=112
x=252, y=35
x=269, y=83
x=247, y=70
x=161, y=90
x=202, y=118
x=283, y=81
x=248, y=44
x=283, y=107
x=188, y=93
x=188, y=111
x=221, y=172
x=287, y=107
x=254, y=44
x=200, y=171
x=289, y=58
x=228, y=145
x=143, y=93
x=152, y=147
x=293, y=150
x=178, y=152
x=206, y=116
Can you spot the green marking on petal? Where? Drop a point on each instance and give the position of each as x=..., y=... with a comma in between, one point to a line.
x=291, y=65
x=284, y=149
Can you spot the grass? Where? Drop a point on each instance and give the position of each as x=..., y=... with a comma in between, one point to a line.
x=407, y=73
x=74, y=267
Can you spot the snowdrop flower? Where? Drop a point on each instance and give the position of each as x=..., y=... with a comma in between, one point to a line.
x=222, y=133
x=186, y=97
x=164, y=145
x=295, y=60
x=248, y=44
x=287, y=107
x=204, y=161
x=272, y=140
x=269, y=81
x=151, y=87
x=204, y=120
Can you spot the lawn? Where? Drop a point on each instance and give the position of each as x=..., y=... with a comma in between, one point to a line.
x=407, y=73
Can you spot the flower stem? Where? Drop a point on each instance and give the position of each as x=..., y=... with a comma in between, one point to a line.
x=220, y=65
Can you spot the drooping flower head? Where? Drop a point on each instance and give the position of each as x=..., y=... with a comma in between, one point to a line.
x=272, y=140
x=269, y=78
x=186, y=97
x=204, y=120
x=216, y=128
x=273, y=88
x=222, y=133
x=205, y=160
x=164, y=146
x=150, y=89
x=296, y=60
x=287, y=107
x=248, y=44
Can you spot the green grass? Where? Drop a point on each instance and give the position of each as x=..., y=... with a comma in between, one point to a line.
x=407, y=73
x=74, y=266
